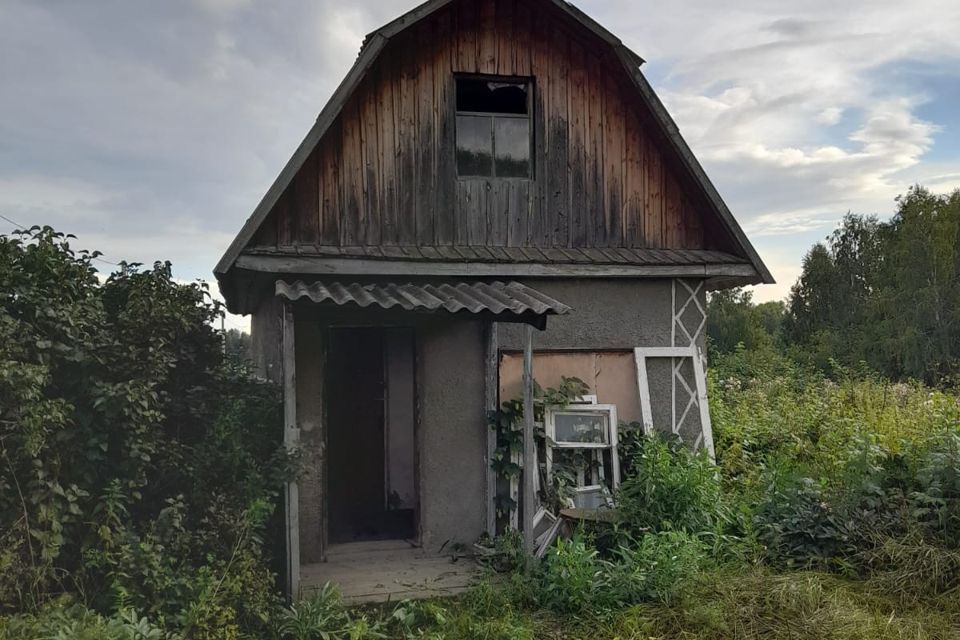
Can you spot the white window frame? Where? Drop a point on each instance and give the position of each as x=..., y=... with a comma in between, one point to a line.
x=549, y=419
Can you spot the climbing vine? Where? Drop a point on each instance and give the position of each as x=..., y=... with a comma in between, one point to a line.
x=508, y=423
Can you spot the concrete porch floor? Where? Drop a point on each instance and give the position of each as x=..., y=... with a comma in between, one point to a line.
x=388, y=571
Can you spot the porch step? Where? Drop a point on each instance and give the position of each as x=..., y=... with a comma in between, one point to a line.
x=388, y=572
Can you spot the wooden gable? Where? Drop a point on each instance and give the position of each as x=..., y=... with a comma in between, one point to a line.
x=609, y=168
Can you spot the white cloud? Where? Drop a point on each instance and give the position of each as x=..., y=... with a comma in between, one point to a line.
x=830, y=116
x=760, y=91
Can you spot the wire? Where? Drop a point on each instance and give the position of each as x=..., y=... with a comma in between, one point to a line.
x=21, y=226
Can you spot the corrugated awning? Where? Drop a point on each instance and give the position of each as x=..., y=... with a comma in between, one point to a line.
x=507, y=301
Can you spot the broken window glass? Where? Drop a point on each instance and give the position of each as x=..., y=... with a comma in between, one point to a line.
x=493, y=128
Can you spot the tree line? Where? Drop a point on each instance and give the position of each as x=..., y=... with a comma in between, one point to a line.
x=884, y=295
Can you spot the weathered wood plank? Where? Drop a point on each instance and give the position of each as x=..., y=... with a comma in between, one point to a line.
x=633, y=184
x=353, y=175
x=291, y=436
x=498, y=210
x=488, y=38
x=595, y=166
x=405, y=136
x=558, y=187
x=518, y=213
x=523, y=49
x=373, y=169
x=445, y=117
x=614, y=156
x=506, y=38
x=286, y=233
x=465, y=38
x=426, y=174
x=385, y=197
x=330, y=189
x=579, y=220
x=540, y=232
x=530, y=470
x=306, y=202
x=654, y=211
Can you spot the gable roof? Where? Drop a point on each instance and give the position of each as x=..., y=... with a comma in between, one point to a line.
x=372, y=47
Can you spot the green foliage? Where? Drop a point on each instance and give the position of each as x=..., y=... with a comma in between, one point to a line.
x=734, y=320
x=884, y=293
x=507, y=421
x=138, y=468
x=576, y=579
x=60, y=622
x=322, y=616
x=668, y=487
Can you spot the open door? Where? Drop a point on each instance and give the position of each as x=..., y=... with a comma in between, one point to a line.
x=372, y=492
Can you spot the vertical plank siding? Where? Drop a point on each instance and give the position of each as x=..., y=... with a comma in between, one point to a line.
x=385, y=173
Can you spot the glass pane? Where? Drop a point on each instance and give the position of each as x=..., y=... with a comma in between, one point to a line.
x=580, y=427
x=474, y=146
x=513, y=147
x=486, y=96
x=589, y=499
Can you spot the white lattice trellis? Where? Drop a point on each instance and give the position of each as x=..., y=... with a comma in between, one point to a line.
x=688, y=320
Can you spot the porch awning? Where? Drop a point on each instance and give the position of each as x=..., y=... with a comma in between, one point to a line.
x=506, y=301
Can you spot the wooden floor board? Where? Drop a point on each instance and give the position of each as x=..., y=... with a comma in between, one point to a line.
x=388, y=571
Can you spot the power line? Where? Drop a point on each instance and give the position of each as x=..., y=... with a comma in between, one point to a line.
x=22, y=226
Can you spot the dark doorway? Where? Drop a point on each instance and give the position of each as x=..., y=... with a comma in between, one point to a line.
x=370, y=442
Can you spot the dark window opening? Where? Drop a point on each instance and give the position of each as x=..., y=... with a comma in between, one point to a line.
x=493, y=128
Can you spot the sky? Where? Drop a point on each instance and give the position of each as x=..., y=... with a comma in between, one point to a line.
x=151, y=129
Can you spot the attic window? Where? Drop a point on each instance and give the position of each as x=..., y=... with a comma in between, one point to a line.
x=493, y=128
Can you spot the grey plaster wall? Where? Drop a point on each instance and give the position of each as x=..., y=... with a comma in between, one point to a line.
x=620, y=314
x=453, y=433
x=451, y=427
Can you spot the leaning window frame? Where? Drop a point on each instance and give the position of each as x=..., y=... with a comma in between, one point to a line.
x=491, y=115
x=585, y=407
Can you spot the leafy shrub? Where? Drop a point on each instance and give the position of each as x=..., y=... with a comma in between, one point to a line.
x=659, y=567
x=575, y=579
x=138, y=467
x=79, y=623
x=801, y=529
x=321, y=615
x=668, y=487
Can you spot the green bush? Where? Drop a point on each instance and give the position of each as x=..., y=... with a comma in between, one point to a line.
x=575, y=579
x=668, y=487
x=59, y=622
x=138, y=467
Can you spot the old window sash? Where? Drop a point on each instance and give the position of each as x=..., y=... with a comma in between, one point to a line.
x=591, y=481
x=494, y=135
x=696, y=395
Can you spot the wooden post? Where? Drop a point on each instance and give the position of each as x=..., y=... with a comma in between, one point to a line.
x=529, y=445
x=291, y=437
x=491, y=383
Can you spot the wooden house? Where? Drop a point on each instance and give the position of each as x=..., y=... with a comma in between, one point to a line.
x=485, y=165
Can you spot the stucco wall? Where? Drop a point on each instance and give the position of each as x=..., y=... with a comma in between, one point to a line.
x=451, y=430
x=618, y=314
x=453, y=433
